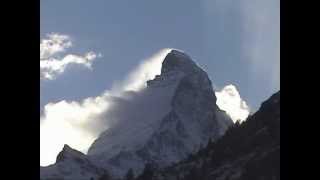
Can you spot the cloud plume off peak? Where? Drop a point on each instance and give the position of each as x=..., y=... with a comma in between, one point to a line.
x=79, y=123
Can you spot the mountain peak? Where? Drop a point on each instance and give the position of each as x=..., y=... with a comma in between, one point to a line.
x=67, y=153
x=71, y=164
x=178, y=60
x=176, y=65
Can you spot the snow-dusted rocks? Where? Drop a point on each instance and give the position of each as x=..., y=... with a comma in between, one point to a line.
x=189, y=118
x=71, y=164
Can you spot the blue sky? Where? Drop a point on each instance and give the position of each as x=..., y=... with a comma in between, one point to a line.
x=236, y=42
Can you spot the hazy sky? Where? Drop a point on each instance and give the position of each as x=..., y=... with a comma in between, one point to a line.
x=87, y=46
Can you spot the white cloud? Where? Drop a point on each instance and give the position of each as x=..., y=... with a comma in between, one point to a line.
x=229, y=100
x=51, y=64
x=54, y=44
x=79, y=123
x=147, y=70
x=68, y=123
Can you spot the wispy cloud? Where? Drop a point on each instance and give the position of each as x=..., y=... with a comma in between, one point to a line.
x=146, y=70
x=55, y=43
x=51, y=61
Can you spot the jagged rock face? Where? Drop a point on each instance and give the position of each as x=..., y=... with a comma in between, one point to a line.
x=71, y=164
x=190, y=118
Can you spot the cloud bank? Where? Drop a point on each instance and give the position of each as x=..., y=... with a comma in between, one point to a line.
x=52, y=64
x=229, y=100
x=67, y=123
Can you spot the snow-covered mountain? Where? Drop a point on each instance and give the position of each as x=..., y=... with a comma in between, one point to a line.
x=175, y=115
x=190, y=117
